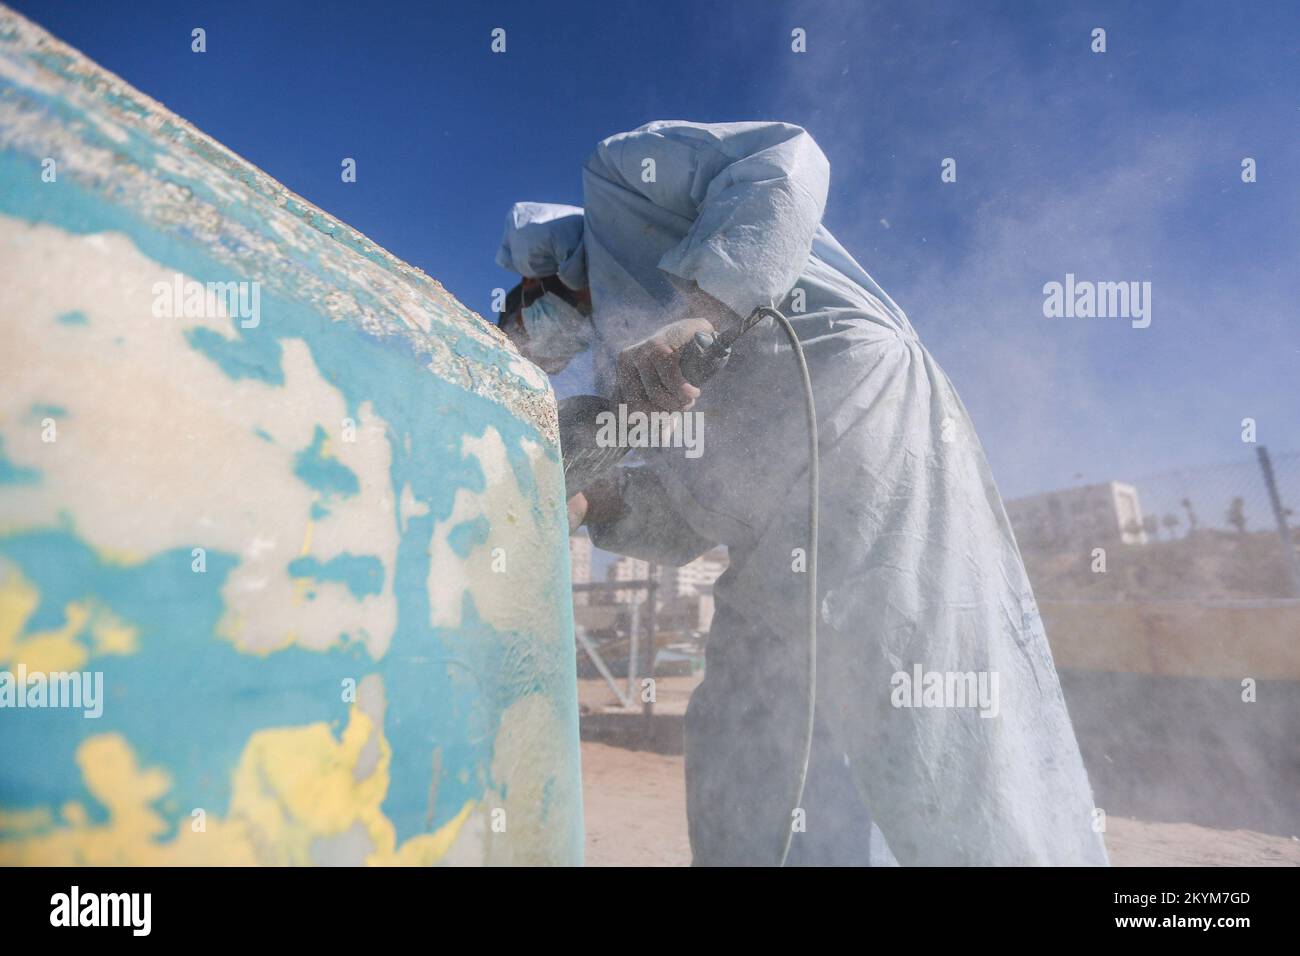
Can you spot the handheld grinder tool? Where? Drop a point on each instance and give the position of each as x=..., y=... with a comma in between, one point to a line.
x=586, y=459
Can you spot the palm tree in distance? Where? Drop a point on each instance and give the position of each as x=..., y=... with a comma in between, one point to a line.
x=1237, y=515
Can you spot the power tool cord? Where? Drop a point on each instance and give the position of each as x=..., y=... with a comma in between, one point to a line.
x=814, y=484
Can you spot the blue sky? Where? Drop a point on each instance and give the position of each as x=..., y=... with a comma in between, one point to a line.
x=1116, y=166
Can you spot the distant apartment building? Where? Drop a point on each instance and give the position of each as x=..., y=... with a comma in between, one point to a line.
x=685, y=593
x=694, y=578
x=1083, y=517
x=628, y=569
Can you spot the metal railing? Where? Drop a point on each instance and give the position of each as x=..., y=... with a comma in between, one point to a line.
x=637, y=657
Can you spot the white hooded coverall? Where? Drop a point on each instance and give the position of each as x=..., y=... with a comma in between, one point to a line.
x=920, y=573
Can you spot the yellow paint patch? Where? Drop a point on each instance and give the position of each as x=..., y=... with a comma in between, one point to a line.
x=18, y=599
x=120, y=557
x=117, y=781
x=22, y=821
x=62, y=648
x=55, y=650
x=112, y=635
x=292, y=787
x=428, y=848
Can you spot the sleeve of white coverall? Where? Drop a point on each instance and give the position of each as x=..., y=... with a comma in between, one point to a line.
x=756, y=193
x=648, y=527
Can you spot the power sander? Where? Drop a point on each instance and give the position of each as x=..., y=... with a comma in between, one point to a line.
x=585, y=458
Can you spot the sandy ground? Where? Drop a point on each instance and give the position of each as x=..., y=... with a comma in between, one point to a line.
x=672, y=694
x=636, y=816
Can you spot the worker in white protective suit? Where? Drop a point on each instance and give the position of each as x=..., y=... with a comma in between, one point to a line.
x=940, y=715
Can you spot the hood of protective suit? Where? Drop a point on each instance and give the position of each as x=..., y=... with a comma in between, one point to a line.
x=545, y=239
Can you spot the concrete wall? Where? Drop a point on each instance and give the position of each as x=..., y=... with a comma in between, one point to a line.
x=311, y=541
x=1234, y=640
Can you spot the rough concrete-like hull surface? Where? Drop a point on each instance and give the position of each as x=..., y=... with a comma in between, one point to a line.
x=282, y=510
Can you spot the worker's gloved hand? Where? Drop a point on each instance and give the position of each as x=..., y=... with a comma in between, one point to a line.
x=649, y=376
x=600, y=502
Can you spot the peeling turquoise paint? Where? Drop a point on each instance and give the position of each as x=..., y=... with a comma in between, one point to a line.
x=257, y=358
x=363, y=574
x=395, y=347
x=325, y=475
x=179, y=691
x=467, y=534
